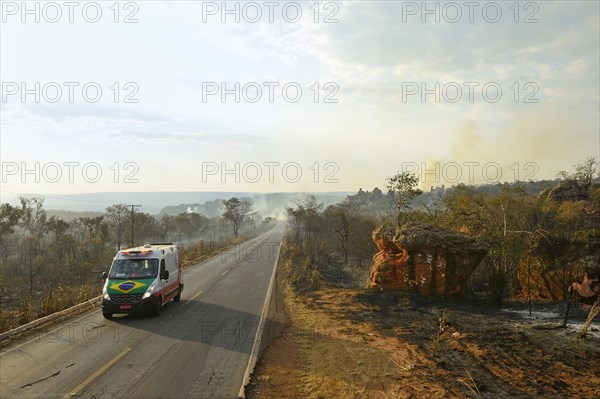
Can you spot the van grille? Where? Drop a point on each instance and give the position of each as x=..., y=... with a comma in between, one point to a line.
x=129, y=299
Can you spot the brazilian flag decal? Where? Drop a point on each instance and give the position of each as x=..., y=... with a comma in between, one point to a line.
x=128, y=286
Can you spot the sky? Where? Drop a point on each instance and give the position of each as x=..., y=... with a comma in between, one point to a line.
x=293, y=96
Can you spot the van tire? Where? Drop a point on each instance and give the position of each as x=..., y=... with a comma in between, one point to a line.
x=177, y=297
x=158, y=307
x=107, y=315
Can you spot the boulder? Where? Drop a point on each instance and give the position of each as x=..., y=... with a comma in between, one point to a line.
x=425, y=258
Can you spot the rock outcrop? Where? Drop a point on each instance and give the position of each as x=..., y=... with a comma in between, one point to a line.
x=588, y=290
x=429, y=259
x=568, y=190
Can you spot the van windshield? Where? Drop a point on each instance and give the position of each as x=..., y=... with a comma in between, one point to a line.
x=134, y=268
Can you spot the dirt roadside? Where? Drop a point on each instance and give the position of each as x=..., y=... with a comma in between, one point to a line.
x=370, y=344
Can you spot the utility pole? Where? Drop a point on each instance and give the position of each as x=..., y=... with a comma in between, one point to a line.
x=132, y=221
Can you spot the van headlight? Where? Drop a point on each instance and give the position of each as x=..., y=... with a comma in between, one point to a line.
x=149, y=292
x=105, y=293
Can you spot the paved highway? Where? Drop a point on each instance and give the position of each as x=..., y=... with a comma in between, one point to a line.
x=197, y=348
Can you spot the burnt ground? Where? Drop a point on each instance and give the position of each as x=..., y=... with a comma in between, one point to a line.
x=370, y=344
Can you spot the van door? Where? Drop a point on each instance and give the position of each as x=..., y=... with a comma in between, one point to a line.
x=172, y=267
x=163, y=283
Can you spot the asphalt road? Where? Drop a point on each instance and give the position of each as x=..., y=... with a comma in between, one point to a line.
x=197, y=348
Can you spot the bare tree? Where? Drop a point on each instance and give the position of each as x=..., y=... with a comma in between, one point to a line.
x=295, y=217
x=344, y=221
x=118, y=216
x=403, y=188
x=236, y=211
x=306, y=216
x=584, y=173
x=33, y=216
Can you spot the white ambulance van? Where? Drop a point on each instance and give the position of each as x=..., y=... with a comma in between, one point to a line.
x=142, y=278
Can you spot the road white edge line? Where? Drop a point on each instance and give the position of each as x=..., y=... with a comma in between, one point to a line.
x=261, y=324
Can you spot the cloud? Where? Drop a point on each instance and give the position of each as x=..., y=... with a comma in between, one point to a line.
x=179, y=138
x=60, y=111
x=369, y=54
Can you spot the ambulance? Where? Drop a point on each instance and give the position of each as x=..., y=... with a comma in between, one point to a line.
x=142, y=279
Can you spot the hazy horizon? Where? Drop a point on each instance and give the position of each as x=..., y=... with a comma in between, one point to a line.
x=97, y=202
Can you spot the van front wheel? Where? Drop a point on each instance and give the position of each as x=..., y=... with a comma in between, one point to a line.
x=158, y=307
x=107, y=315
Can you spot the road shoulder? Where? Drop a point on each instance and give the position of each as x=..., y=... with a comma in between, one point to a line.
x=277, y=371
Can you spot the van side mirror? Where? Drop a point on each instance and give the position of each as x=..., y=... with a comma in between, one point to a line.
x=104, y=276
x=164, y=275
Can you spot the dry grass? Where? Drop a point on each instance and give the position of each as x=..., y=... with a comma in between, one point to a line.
x=580, y=343
x=594, y=311
x=54, y=301
x=337, y=365
x=471, y=385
